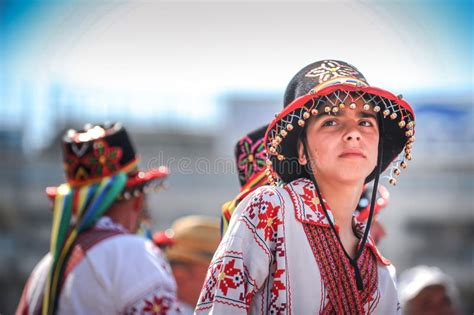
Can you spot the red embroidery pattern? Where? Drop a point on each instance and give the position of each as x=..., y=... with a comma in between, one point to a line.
x=310, y=198
x=311, y=210
x=156, y=302
x=338, y=275
x=277, y=283
x=278, y=305
x=156, y=306
x=102, y=161
x=227, y=282
x=317, y=216
x=269, y=220
x=229, y=279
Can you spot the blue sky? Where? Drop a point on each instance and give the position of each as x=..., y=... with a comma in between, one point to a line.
x=174, y=59
x=432, y=34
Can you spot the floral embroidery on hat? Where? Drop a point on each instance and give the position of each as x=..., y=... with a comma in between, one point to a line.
x=103, y=160
x=331, y=69
x=252, y=157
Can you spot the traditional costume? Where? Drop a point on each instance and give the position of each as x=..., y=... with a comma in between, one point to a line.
x=250, y=157
x=95, y=265
x=282, y=253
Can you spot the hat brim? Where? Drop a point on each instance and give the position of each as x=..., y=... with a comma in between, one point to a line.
x=177, y=255
x=395, y=136
x=140, y=178
x=179, y=252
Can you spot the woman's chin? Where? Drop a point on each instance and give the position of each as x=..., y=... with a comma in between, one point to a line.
x=351, y=176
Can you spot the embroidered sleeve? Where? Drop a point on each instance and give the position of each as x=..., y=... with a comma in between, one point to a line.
x=242, y=261
x=142, y=279
x=156, y=302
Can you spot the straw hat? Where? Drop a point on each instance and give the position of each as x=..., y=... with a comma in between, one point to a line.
x=190, y=239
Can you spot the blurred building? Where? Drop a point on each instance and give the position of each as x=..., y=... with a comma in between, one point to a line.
x=430, y=219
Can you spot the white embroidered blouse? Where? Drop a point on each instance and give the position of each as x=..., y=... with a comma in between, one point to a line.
x=266, y=265
x=123, y=274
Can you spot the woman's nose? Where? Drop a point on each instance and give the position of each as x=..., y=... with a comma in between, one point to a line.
x=352, y=134
x=350, y=137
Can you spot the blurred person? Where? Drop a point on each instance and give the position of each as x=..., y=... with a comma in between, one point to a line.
x=189, y=246
x=95, y=264
x=377, y=231
x=289, y=250
x=427, y=290
x=145, y=222
x=250, y=157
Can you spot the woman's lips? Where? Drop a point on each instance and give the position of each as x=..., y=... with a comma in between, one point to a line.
x=352, y=153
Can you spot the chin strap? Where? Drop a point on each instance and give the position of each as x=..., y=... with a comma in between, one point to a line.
x=378, y=171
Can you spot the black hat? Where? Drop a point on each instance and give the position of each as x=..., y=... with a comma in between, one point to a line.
x=99, y=151
x=328, y=86
x=250, y=155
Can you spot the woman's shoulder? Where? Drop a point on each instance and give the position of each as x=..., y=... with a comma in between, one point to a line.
x=268, y=193
x=282, y=188
x=257, y=221
x=274, y=194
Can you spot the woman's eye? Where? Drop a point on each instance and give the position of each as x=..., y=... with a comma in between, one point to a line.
x=366, y=123
x=329, y=123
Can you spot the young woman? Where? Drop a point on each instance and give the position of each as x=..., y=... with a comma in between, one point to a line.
x=294, y=246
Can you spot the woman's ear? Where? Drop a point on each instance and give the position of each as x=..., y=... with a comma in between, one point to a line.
x=301, y=155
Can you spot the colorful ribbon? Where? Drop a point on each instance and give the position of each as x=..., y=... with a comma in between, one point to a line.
x=76, y=209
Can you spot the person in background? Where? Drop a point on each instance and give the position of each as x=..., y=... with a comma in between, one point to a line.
x=189, y=246
x=427, y=290
x=96, y=265
x=250, y=159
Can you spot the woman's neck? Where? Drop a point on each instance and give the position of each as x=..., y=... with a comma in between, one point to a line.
x=342, y=199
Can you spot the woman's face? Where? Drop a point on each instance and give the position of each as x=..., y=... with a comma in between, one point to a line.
x=342, y=146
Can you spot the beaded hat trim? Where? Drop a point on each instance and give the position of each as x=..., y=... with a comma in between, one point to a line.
x=329, y=100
